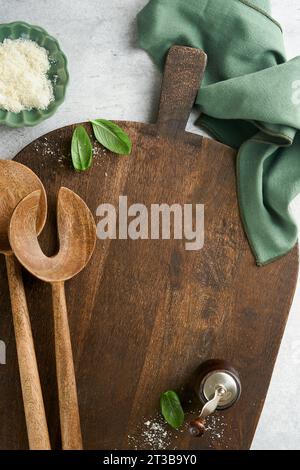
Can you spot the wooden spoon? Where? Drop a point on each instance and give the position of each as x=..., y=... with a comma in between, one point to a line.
x=77, y=238
x=16, y=182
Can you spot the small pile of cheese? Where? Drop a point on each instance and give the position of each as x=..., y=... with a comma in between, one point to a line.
x=24, y=84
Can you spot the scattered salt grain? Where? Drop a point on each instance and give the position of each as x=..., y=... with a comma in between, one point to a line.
x=154, y=434
x=216, y=426
x=46, y=149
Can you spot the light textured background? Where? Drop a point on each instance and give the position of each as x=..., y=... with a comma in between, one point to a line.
x=111, y=78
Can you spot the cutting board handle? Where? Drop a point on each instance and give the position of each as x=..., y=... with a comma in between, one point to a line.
x=184, y=70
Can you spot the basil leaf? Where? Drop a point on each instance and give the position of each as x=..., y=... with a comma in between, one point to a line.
x=171, y=409
x=81, y=149
x=112, y=136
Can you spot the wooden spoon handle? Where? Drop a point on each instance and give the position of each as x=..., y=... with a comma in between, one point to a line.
x=67, y=393
x=35, y=416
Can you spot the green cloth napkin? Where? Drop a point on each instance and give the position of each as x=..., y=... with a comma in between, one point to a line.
x=249, y=99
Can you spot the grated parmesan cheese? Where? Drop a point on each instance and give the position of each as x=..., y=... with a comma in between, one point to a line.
x=24, y=84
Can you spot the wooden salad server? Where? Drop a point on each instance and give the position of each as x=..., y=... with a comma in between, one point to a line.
x=16, y=182
x=77, y=238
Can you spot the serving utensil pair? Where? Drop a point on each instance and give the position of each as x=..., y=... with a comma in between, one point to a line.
x=23, y=213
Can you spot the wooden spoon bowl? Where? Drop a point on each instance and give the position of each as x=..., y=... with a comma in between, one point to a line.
x=16, y=182
x=76, y=233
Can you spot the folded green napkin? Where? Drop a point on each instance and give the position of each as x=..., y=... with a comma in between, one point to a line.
x=249, y=99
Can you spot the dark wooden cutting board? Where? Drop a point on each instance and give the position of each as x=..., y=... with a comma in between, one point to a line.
x=146, y=314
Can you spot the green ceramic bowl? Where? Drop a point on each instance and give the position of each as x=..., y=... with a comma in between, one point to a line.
x=58, y=73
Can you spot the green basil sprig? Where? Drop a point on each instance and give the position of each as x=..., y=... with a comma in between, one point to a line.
x=81, y=149
x=171, y=409
x=112, y=136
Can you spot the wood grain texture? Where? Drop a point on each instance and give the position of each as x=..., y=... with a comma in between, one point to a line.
x=76, y=233
x=16, y=181
x=37, y=429
x=67, y=392
x=145, y=314
x=77, y=238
